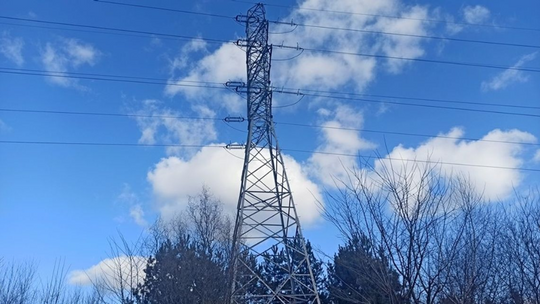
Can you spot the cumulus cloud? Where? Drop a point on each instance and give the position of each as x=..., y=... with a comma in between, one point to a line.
x=336, y=139
x=11, y=48
x=224, y=64
x=509, y=76
x=323, y=70
x=476, y=14
x=164, y=125
x=66, y=55
x=173, y=180
x=113, y=272
x=492, y=183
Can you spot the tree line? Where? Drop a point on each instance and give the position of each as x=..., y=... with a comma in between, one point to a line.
x=409, y=236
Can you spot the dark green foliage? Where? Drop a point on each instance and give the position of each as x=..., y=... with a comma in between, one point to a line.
x=184, y=273
x=360, y=274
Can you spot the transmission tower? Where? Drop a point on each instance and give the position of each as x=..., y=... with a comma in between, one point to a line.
x=267, y=230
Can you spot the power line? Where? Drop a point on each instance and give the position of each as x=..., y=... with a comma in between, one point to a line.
x=65, y=143
x=85, y=31
x=212, y=40
x=291, y=23
x=135, y=115
x=160, y=80
x=414, y=160
x=196, y=84
x=219, y=85
x=62, y=143
x=166, y=9
x=102, y=78
x=457, y=63
x=409, y=104
x=437, y=100
x=394, y=17
x=96, y=27
x=405, y=133
x=405, y=35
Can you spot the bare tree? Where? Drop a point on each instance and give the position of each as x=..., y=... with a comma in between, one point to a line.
x=523, y=248
x=474, y=275
x=17, y=283
x=412, y=214
x=121, y=272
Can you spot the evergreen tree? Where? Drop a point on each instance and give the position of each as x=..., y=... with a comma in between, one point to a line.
x=360, y=274
x=184, y=273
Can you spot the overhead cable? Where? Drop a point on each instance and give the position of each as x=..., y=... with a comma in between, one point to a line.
x=241, y=119
x=215, y=85
x=393, y=17
x=326, y=27
x=213, y=40
x=110, y=144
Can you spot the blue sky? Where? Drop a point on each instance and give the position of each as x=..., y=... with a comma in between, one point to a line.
x=66, y=201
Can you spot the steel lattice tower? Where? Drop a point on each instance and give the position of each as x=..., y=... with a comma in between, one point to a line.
x=267, y=228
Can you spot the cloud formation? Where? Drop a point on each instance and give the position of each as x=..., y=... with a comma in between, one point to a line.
x=165, y=126
x=4, y=127
x=11, y=48
x=477, y=14
x=492, y=183
x=509, y=76
x=136, y=212
x=173, y=180
x=66, y=55
x=224, y=64
x=329, y=168
x=320, y=69
x=536, y=157
x=121, y=271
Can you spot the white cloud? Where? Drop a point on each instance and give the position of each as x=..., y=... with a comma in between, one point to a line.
x=226, y=63
x=173, y=180
x=113, y=272
x=536, y=157
x=323, y=70
x=4, y=127
x=329, y=168
x=476, y=14
x=66, y=55
x=136, y=211
x=509, y=76
x=163, y=126
x=401, y=46
x=11, y=48
x=493, y=183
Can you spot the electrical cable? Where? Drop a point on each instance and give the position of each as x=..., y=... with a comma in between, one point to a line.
x=181, y=37
x=213, y=40
x=298, y=92
x=275, y=89
x=404, y=34
x=458, y=63
x=165, y=9
x=411, y=104
x=327, y=27
x=51, y=74
x=437, y=100
x=392, y=17
x=65, y=143
x=277, y=122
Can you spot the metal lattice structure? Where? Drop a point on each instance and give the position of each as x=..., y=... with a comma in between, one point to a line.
x=267, y=229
